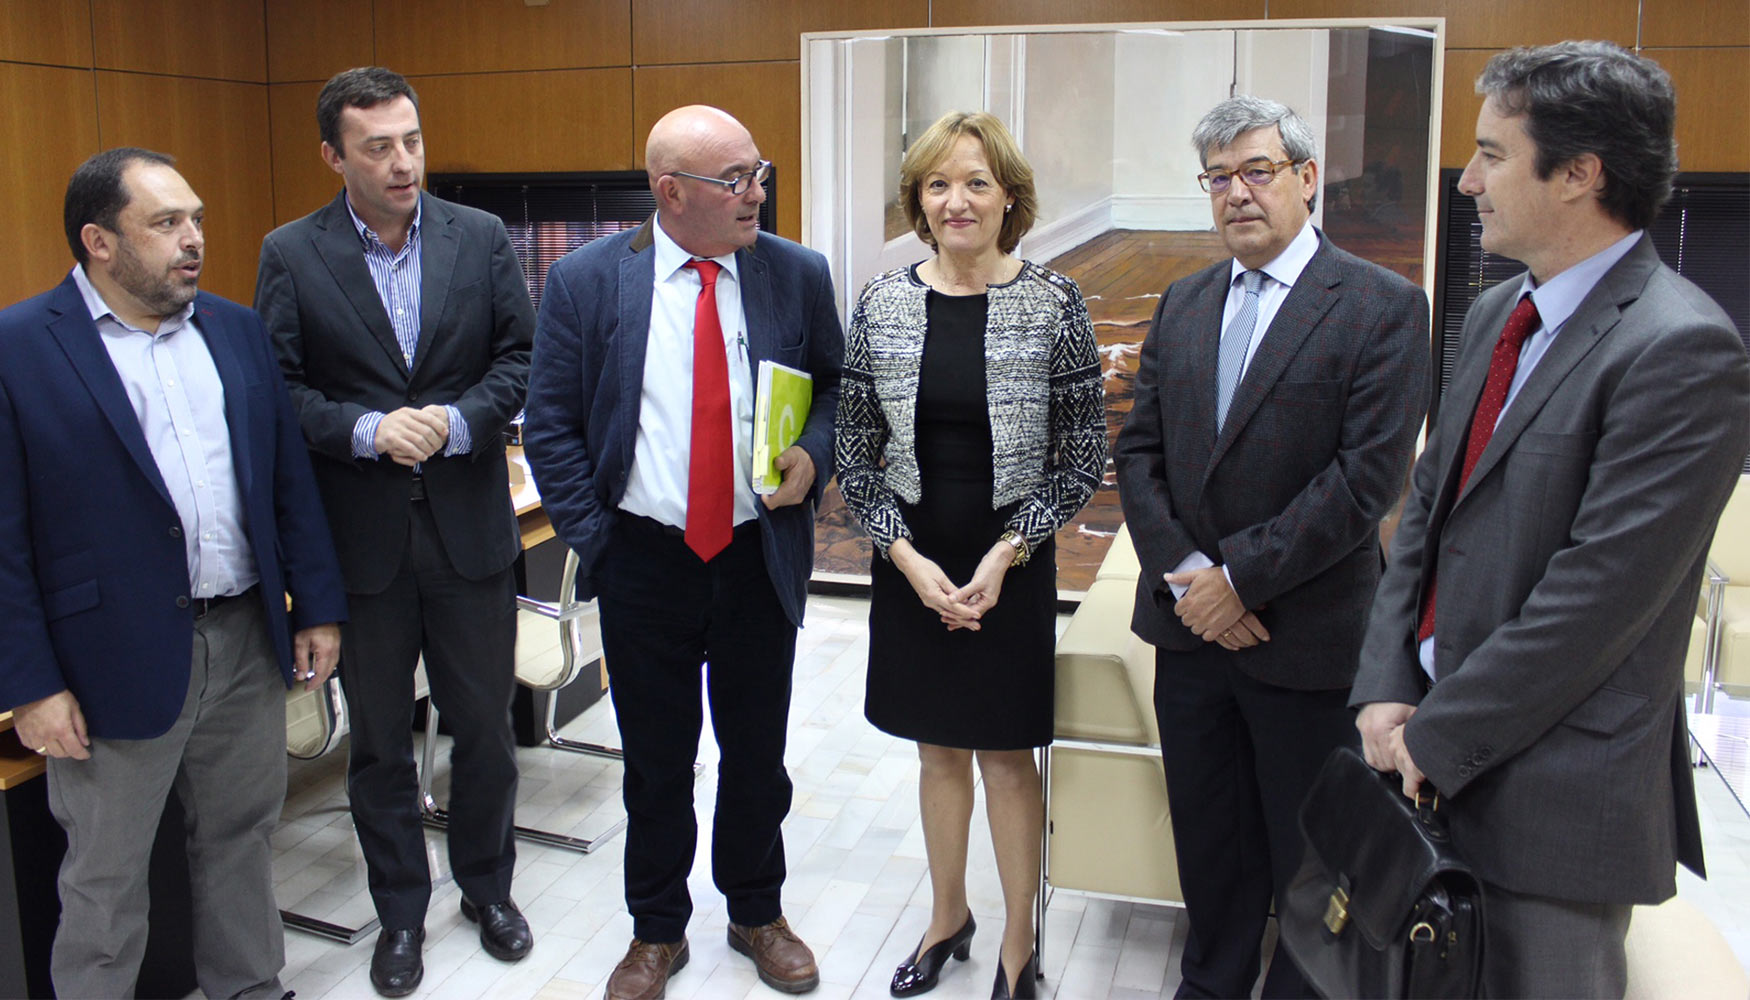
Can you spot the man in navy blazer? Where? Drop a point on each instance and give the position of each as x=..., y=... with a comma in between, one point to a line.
x=639, y=434
x=1258, y=534
x=156, y=508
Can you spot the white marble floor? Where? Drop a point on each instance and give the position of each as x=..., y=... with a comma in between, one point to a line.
x=858, y=889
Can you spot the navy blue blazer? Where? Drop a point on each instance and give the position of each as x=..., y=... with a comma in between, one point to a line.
x=94, y=594
x=587, y=379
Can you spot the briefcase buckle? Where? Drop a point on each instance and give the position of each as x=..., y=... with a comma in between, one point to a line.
x=1337, y=911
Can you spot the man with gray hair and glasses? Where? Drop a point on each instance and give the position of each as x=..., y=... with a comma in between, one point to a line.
x=1525, y=653
x=1278, y=398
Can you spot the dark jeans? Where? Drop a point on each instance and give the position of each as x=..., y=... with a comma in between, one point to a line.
x=664, y=615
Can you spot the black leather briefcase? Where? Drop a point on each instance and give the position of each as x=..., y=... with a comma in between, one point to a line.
x=1382, y=905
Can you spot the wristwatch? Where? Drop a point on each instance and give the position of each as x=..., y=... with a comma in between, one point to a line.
x=1022, y=552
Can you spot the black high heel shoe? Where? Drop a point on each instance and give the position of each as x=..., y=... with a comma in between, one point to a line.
x=918, y=973
x=1026, y=984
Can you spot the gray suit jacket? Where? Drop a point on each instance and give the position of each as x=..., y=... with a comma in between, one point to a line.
x=1569, y=568
x=582, y=427
x=341, y=360
x=1312, y=457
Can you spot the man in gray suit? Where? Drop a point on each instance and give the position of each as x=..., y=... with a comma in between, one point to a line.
x=1525, y=651
x=1276, y=410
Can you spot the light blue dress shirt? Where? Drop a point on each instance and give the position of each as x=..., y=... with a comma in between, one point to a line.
x=176, y=394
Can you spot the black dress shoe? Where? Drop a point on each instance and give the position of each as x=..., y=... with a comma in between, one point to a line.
x=918, y=973
x=503, y=931
x=396, y=965
x=1026, y=984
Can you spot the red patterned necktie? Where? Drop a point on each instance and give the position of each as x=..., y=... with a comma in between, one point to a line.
x=710, y=478
x=1502, y=364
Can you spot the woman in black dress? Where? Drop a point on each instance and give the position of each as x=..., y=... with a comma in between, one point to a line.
x=970, y=428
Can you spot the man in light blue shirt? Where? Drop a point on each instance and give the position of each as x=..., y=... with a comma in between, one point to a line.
x=159, y=508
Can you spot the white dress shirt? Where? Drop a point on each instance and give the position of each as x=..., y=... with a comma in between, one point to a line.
x=1279, y=278
x=657, y=485
x=176, y=394
x=1556, y=300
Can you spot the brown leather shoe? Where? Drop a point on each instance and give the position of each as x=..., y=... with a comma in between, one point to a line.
x=785, y=963
x=643, y=973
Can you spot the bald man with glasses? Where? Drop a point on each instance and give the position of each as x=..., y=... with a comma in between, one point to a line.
x=640, y=431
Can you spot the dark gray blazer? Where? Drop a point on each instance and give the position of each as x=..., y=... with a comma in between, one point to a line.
x=341, y=360
x=1569, y=568
x=582, y=425
x=1312, y=457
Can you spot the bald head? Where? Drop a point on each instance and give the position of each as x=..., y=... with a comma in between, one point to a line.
x=688, y=149
x=685, y=137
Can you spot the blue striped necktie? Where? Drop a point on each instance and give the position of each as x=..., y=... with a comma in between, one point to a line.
x=1231, y=362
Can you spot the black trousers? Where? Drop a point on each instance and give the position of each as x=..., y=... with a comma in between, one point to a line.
x=466, y=630
x=1240, y=755
x=664, y=615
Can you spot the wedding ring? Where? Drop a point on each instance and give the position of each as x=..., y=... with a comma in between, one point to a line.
x=1229, y=633
x=44, y=749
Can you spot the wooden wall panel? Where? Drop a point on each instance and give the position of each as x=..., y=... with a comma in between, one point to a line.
x=217, y=131
x=1696, y=22
x=1713, y=132
x=48, y=126
x=706, y=31
x=1490, y=24
x=1459, y=105
x=57, y=32
x=765, y=97
x=556, y=120
x=980, y=12
x=315, y=39
x=218, y=39
x=302, y=183
x=419, y=37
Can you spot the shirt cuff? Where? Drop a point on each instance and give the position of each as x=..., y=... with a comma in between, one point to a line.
x=364, y=435
x=460, y=442
x=1194, y=561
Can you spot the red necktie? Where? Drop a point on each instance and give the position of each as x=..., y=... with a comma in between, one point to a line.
x=710, y=477
x=1502, y=364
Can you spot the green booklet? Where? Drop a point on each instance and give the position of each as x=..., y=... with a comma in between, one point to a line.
x=780, y=408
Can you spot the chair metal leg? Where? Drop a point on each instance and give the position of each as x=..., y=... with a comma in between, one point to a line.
x=438, y=818
x=560, y=742
x=323, y=929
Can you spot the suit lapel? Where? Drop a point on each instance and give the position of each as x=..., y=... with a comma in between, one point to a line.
x=1201, y=345
x=1597, y=315
x=637, y=286
x=224, y=355
x=437, y=247
x=1308, y=301
x=337, y=243
x=73, y=329
x=756, y=304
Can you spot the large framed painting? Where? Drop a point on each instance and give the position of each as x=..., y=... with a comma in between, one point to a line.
x=1104, y=114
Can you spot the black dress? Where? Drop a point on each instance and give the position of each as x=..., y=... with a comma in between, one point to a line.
x=984, y=690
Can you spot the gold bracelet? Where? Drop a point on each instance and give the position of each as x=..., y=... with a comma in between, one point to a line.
x=1022, y=552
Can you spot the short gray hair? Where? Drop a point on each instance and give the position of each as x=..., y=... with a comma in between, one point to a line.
x=1236, y=116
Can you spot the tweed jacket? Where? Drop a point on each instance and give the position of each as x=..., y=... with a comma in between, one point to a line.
x=1043, y=387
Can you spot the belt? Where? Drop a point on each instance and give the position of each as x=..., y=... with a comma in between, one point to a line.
x=204, y=606
x=642, y=525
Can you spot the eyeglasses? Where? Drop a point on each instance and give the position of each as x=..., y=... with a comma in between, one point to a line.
x=1256, y=174
x=737, y=184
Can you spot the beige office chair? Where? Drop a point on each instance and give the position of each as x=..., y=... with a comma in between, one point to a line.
x=1107, y=826
x=1725, y=603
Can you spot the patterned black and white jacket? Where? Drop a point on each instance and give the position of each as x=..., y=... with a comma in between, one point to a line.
x=1047, y=415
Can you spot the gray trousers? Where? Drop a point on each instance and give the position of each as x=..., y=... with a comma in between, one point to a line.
x=225, y=758
x=1542, y=947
